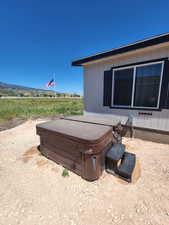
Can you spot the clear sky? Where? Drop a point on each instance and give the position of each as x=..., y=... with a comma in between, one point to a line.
x=39, y=37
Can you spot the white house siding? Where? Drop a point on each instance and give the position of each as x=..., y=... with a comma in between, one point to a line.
x=93, y=88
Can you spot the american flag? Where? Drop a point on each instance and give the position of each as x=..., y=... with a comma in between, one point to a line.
x=50, y=83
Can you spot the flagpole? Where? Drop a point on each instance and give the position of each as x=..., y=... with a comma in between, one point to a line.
x=54, y=77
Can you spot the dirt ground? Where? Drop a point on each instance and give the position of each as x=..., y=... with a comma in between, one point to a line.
x=34, y=192
x=8, y=124
x=4, y=125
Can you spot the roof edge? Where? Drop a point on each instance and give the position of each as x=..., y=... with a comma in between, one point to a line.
x=131, y=47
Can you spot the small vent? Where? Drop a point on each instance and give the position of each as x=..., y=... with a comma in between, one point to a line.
x=145, y=113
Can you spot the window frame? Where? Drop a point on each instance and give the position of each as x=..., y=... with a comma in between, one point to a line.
x=135, y=66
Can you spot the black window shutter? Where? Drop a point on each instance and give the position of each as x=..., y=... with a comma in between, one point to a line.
x=107, y=88
x=164, y=99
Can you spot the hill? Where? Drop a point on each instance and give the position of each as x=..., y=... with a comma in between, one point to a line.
x=17, y=87
x=23, y=91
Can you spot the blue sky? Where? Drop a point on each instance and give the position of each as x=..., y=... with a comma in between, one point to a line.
x=41, y=37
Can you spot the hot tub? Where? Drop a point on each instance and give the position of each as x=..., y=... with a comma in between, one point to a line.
x=78, y=146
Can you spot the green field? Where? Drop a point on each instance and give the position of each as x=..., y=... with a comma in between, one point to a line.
x=42, y=107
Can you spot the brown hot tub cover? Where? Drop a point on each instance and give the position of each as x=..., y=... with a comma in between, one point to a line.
x=110, y=121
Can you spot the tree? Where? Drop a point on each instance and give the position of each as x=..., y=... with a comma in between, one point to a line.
x=76, y=95
x=21, y=94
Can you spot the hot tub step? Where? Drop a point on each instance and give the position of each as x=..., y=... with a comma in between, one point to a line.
x=127, y=165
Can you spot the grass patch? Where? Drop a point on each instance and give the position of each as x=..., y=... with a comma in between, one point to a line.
x=34, y=107
x=65, y=173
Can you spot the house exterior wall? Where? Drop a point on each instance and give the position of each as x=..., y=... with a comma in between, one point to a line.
x=93, y=89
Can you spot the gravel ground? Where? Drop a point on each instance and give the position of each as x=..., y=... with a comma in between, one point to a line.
x=33, y=191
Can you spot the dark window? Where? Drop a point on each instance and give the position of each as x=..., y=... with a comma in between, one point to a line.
x=123, y=83
x=147, y=85
x=137, y=86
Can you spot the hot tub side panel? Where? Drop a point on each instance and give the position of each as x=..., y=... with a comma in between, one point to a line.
x=86, y=160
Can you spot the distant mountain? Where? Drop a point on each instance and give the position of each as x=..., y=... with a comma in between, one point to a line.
x=22, y=91
x=19, y=87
